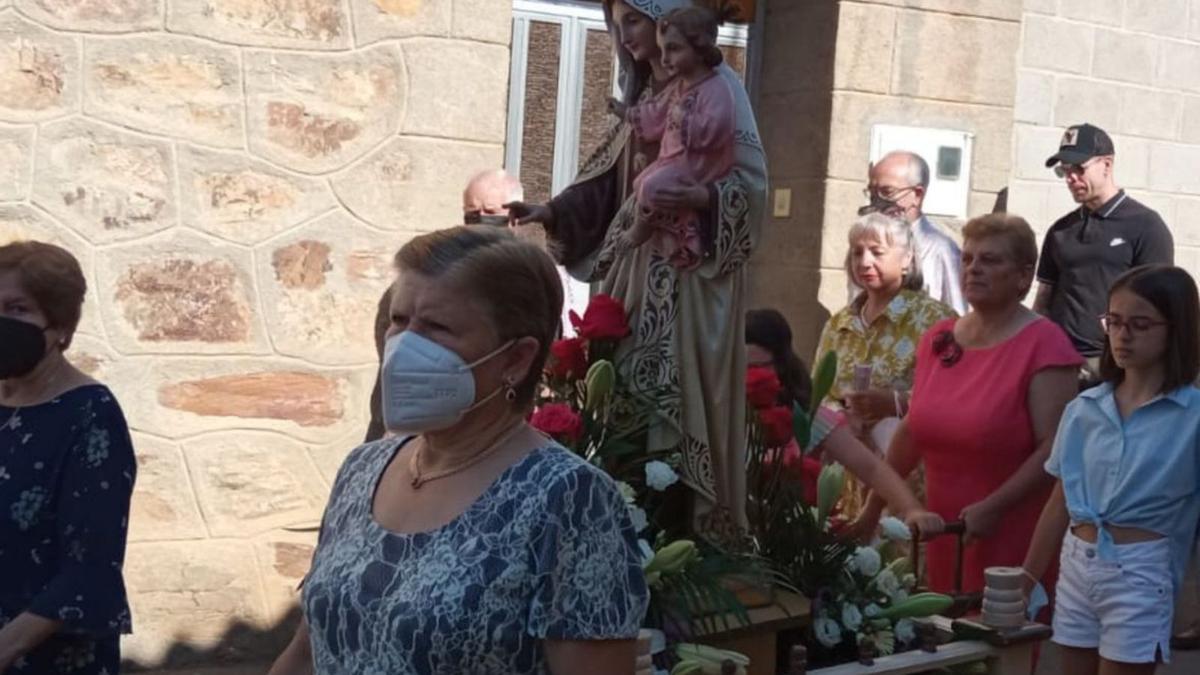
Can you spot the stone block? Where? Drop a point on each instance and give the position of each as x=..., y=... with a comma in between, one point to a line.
x=865, y=37
x=1043, y=45
x=16, y=149
x=1151, y=113
x=1184, y=228
x=482, y=20
x=1179, y=66
x=979, y=203
x=191, y=595
x=1191, y=120
x=1077, y=100
x=39, y=79
x=1034, y=102
x=163, y=506
x=376, y=20
x=974, y=75
x=1159, y=202
x=302, y=24
x=317, y=113
x=329, y=456
x=1157, y=17
x=800, y=46
x=1041, y=6
x=854, y=114
x=200, y=395
x=1032, y=145
x=440, y=75
x=93, y=356
x=1106, y=12
x=414, y=184
x=1131, y=165
x=1124, y=56
x=320, y=286
x=166, y=85
x=107, y=185
x=795, y=240
x=791, y=120
x=1173, y=168
x=229, y=470
x=180, y=293
x=283, y=560
x=242, y=200
x=20, y=222
x=1194, y=21
x=1009, y=10
x=95, y=16
x=842, y=199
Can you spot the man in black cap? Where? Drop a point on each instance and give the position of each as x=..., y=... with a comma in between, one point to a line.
x=1087, y=249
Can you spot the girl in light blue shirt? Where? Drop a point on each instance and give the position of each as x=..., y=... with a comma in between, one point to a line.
x=1126, y=505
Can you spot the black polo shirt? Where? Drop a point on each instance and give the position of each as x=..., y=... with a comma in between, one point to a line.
x=1084, y=253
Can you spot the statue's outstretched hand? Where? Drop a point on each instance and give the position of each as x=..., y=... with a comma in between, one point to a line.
x=522, y=213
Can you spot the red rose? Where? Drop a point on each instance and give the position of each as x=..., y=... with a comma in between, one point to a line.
x=762, y=387
x=776, y=426
x=559, y=421
x=809, y=472
x=568, y=359
x=604, y=319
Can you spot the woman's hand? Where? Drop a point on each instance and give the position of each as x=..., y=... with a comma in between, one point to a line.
x=981, y=519
x=524, y=213
x=924, y=524
x=682, y=195
x=872, y=405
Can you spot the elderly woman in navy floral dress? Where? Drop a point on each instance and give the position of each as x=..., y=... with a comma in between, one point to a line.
x=66, y=476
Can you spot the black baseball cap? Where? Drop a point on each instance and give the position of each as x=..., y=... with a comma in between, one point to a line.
x=1080, y=143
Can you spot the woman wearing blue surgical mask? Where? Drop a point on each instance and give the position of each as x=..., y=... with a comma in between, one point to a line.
x=467, y=541
x=66, y=476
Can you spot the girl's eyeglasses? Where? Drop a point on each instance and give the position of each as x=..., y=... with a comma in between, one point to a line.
x=1136, y=324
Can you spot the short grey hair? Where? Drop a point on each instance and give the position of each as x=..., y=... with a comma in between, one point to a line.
x=891, y=231
x=918, y=168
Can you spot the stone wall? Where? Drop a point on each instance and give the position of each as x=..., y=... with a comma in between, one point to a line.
x=1131, y=67
x=234, y=176
x=936, y=63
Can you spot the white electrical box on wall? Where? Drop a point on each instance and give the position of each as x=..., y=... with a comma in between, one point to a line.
x=948, y=153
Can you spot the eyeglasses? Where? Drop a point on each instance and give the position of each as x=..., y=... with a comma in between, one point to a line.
x=887, y=194
x=1075, y=170
x=1137, y=324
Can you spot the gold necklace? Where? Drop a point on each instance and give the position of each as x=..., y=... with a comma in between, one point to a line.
x=414, y=465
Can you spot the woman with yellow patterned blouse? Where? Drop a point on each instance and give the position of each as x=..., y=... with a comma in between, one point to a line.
x=876, y=336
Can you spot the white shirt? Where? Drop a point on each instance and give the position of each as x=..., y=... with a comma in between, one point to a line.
x=941, y=264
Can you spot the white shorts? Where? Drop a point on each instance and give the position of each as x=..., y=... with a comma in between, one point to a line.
x=1123, y=608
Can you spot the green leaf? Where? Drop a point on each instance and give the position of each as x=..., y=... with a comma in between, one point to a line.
x=825, y=374
x=801, y=426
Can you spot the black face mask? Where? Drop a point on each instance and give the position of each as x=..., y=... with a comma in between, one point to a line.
x=480, y=218
x=878, y=205
x=22, y=347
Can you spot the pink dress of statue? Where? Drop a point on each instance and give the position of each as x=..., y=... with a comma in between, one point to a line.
x=694, y=125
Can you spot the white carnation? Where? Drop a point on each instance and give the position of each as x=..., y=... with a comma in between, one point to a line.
x=867, y=561
x=851, y=617
x=906, y=631
x=660, y=475
x=895, y=529
x=627, y=492
x=639, y=518
x=828, y=632
x=872, y=610
x=887, y=583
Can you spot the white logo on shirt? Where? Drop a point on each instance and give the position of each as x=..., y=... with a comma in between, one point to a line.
x=1116, y=242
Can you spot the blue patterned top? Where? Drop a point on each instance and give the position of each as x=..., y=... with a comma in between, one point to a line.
x=547, y=552
x=66, y=476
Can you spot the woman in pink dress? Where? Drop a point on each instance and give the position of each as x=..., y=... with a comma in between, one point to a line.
x=988, y=392
x=693, y=119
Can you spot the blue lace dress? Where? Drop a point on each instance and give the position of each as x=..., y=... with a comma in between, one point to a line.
x=547, y=552
x=66, y=476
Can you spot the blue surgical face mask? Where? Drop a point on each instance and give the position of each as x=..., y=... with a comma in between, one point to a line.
x=427, y=387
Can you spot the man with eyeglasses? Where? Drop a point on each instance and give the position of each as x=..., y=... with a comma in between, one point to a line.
x=1087, y=249
x=483, y=201
x=897, y=186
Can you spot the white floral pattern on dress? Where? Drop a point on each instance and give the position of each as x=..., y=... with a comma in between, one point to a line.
x=546, y=552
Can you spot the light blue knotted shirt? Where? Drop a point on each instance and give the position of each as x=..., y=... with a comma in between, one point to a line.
x=1141, y=472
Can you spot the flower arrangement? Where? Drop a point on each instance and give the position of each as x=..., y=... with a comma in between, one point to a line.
x=586, y=405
